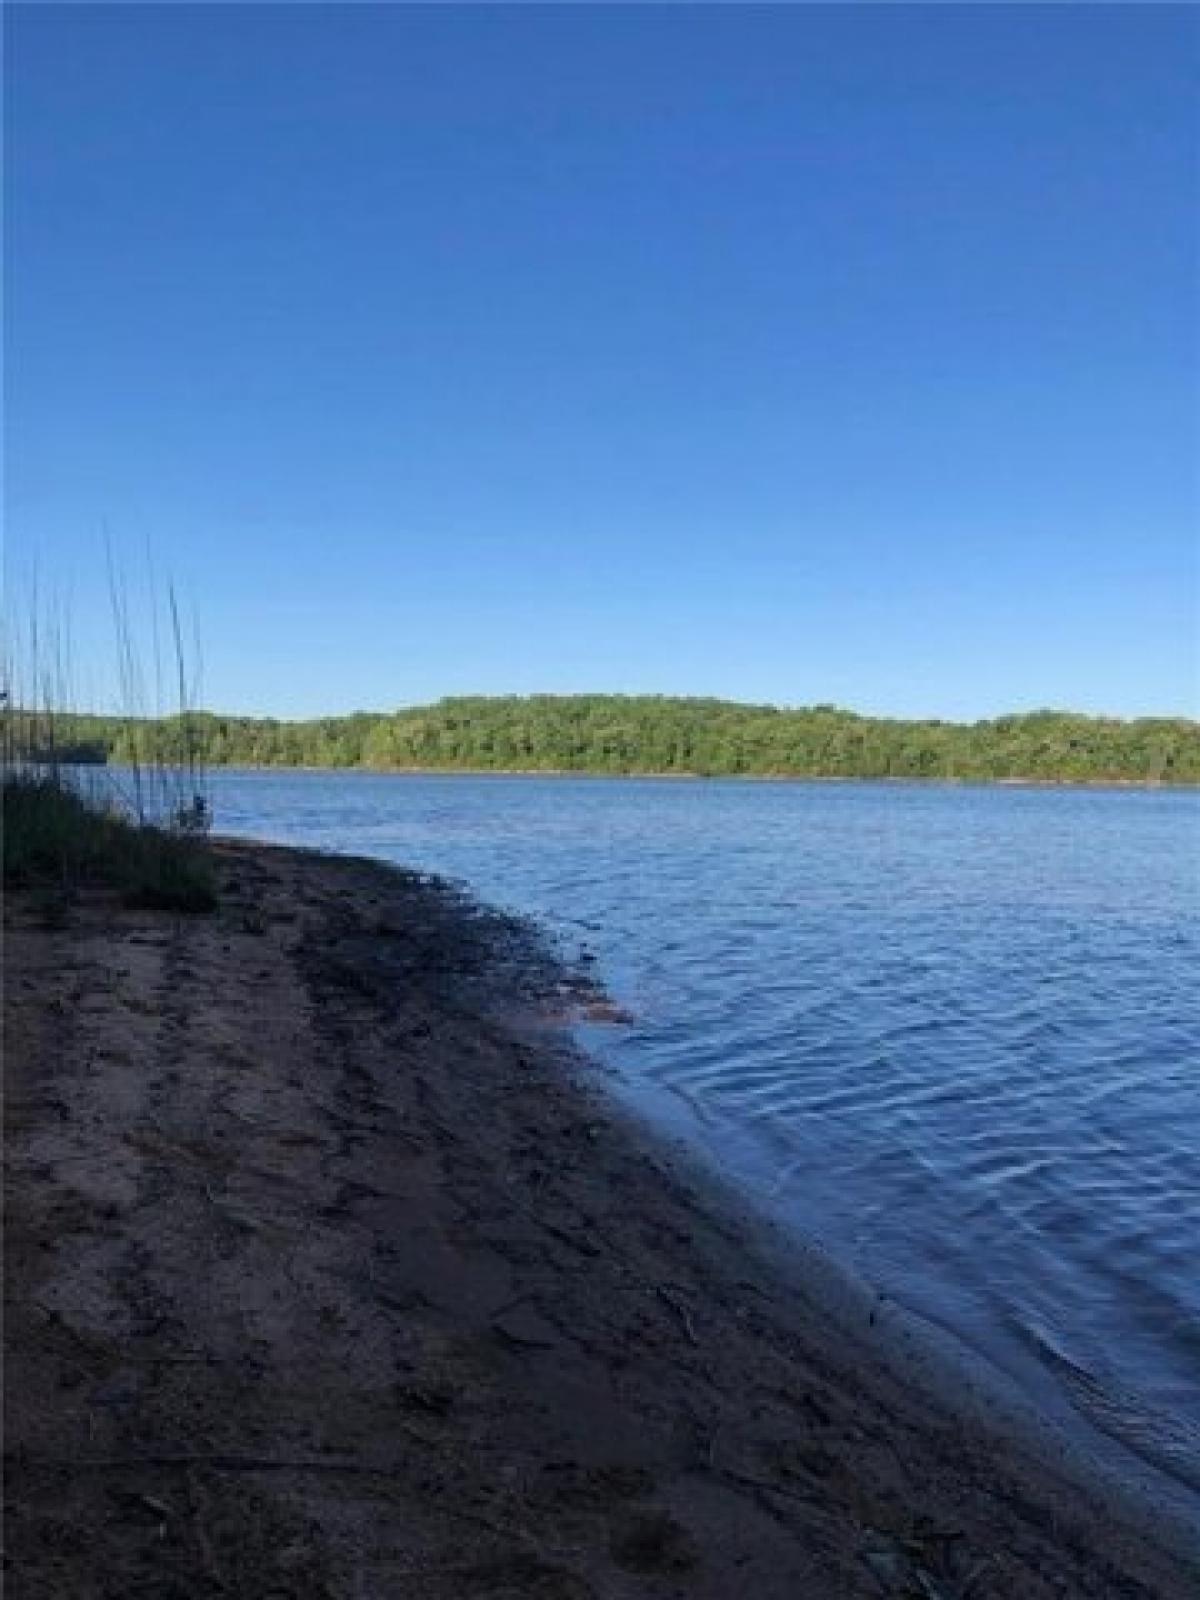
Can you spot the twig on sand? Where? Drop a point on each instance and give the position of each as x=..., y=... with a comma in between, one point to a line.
x=207, y=1554
x=680, y=1310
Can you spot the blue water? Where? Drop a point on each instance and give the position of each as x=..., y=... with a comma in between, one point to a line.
x=952, y=1033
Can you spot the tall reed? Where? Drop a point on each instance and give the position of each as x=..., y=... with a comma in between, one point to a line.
x=68, y=816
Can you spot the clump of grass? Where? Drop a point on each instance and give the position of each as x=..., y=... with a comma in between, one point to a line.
x=56, y=836
x=142, y=828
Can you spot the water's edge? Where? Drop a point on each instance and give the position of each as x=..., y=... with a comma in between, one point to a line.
x=933, y=1358
x=942, y=1034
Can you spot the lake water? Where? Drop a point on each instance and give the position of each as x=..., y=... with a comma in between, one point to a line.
x=951, y=1033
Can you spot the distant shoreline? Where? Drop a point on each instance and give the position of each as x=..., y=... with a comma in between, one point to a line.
x=1182, y=785
x=654, y=736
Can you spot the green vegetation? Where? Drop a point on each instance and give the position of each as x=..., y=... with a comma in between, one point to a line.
x=141, y=832
x=57, y=837
x=629, y=734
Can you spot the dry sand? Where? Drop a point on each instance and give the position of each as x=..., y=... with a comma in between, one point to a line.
x=326, y=1276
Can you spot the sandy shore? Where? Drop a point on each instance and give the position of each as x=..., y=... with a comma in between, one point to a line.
x=328, y=1274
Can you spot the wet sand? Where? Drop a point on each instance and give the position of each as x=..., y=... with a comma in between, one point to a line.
x=331, y=1272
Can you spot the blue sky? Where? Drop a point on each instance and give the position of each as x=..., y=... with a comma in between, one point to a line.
x=792, y=354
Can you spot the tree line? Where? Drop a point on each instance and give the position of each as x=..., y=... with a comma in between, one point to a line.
x=657, y=734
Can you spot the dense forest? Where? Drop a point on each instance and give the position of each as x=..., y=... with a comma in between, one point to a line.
x=627, y=734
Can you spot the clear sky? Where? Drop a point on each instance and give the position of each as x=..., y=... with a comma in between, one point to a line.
x=793, y=354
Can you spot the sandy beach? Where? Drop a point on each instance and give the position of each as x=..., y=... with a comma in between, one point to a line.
x=332, y=1271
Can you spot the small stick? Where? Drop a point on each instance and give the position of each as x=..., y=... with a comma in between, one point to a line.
x=680, y=1310
x=205, y=1543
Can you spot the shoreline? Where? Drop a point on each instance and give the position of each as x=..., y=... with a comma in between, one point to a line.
x=330, y=1257
x=939, y=1363
x=1156, y=784
x=938, y=1360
